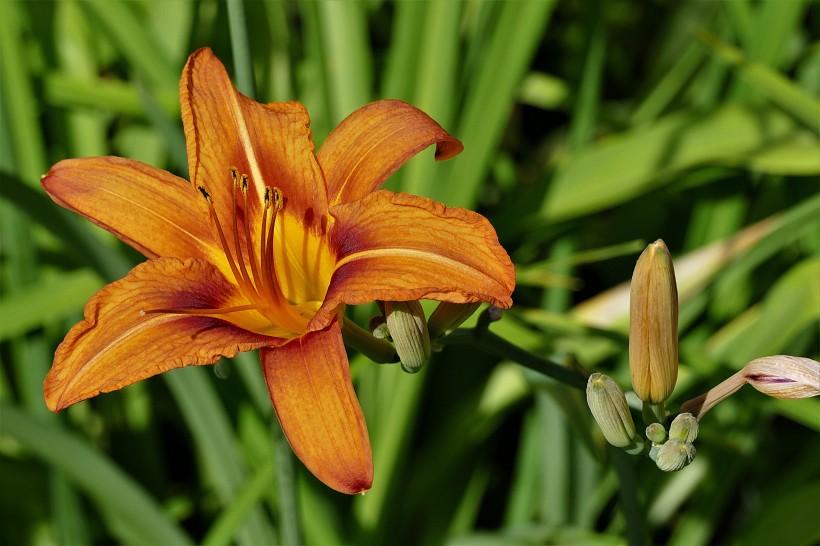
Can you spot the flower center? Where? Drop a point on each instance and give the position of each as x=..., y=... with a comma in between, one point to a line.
x=251, y=259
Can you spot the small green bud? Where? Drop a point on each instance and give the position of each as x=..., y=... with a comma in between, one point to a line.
x=408, y=328
x=449, y=316
x=674, y=455
x=656, y=433
x=684, y=427
x=607, y=402
x=653, y=325
x=382, y=332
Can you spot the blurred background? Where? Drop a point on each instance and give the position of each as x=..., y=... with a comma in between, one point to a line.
x=590, y=128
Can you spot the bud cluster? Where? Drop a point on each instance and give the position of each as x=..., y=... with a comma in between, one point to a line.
x=653, y=367
x=678, y=450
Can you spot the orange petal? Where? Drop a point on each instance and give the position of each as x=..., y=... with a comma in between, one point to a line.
x=403, y=247
x=375, y=140
x=117, y=345
x=152, y=210
x=309, y=383
x=270, y=143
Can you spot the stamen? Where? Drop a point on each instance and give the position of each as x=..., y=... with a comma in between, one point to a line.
x=201, y=310
x=222, y=240
x=268, y=267
x=240, y=257
x=235, y=176
x=251, y=258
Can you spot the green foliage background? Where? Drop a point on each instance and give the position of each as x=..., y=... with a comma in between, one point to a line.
x=590, y=128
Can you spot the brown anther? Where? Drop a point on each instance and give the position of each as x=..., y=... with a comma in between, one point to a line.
x=235, y=176
x=244, y=184
x=267, y=197
x=205, y=194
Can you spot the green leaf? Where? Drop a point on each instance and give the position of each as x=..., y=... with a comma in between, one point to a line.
x=96, y=475
x=791, y=305
x=490, y=97
x=771, y=83
x=216, y=444
x=47, y=301
x=629, y=164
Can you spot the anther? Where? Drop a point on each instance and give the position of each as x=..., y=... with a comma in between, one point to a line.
x=244, y=184
x=235, y=176
x=267, y=197
x=205, y=194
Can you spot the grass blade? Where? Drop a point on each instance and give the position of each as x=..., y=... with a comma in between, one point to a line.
x=107, y=484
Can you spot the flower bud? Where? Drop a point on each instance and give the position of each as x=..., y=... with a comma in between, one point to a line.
x=674, y=455
x=408, y=328
x=656, y=433
x=684, y=427
x=607, y=402
x=781, y=376
x=449, y=316
x=653, y=325
x=785, y=377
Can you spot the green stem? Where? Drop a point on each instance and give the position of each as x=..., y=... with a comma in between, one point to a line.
x=653, y=413
x=628, y=496
x=291, y=532
x=241, y=48
x=377, y=350
x=484, y=340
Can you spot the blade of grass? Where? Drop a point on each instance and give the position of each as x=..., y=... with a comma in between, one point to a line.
x=229, y=522
x=670, y=86
x=106, y=484
x=435, y=85
x=216, y=444
x=790, y=306
x=87, y=130
x=19, y=100
x=403, y=53
x=280, y=84
x=779, y=89
x=585, y=109
x=70, y=519
x=37, y=305
x=243, y=64
x=120, y=25
x=85, y=247
x=489, y=100
x=631, y=163
x=108, y=95
x=347, y=56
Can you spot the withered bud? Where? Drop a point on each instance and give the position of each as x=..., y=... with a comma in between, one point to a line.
x=653, y=325
x=785, y=377
x=781, y=376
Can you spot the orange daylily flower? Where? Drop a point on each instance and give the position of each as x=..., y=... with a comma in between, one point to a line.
x=262, y=250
